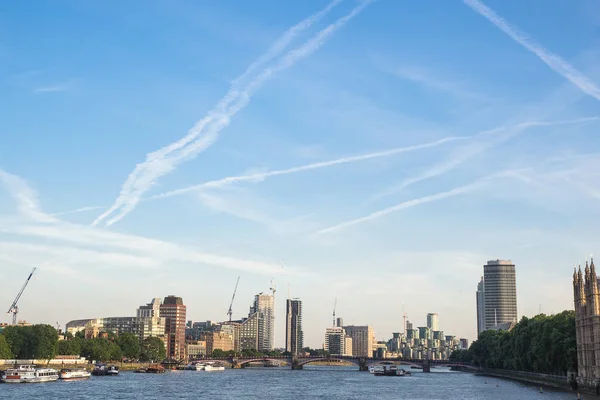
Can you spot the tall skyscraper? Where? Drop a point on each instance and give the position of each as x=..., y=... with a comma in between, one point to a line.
x=264, y=306
x=480, y=297
x=433, y=322
x=174, y=312
x=294, y=337
x=500, y=293
x=339, y=321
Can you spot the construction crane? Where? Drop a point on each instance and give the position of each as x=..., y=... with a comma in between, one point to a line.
x=14, y=308
x=334, y=305
x=233, y=297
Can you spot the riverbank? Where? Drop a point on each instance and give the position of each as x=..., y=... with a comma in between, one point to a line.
x=554, y=381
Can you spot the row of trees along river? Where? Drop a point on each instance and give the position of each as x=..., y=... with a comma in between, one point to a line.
x=41, y=342
x=543, y=344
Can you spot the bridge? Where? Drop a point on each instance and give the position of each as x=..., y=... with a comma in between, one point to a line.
x=363, y=363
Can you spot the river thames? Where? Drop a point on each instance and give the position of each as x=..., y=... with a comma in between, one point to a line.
x=278, y=383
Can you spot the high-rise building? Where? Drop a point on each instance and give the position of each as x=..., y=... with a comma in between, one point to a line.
x=425, y=333
x=500, y=293
x=339, y=321
x=294, y=336
x=480, y=297
x=249, y=332
x=464, y=343
x=337, y=342
x=151, y=309
x=586, y=293
x=433, y=321
x=174, y=312
x=362, y=340
x=409, y=325
x=264, y=306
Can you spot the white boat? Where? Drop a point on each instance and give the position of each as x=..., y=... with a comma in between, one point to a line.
x=73, y=374
x=29, y=374
x=210, y=366
x=112, y=370
x=195, y=366
x=375, y=368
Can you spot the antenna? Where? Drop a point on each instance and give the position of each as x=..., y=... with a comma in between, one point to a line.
x=334, y=305
x=404, y=317
x=233, y=297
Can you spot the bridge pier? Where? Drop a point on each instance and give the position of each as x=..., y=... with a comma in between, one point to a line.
x=235, y=363
x=296, y=364
x=362, y=364
x=426, y=366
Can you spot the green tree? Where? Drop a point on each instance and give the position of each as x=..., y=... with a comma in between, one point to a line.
x=130, y=345
x=153, y=349
x=5, y=352
x=69, y=347
x=32, y=342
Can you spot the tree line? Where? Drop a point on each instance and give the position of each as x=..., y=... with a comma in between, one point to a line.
x=543, y=344
x=41, y=342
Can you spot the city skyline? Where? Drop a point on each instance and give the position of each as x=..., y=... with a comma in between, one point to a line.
x=344, y=148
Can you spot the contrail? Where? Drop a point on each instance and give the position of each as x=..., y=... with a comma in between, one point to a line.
x=323, y=164
x=78, y=210
x=414, y=202
x=161, y=162
x=554, y=61
x=283, y=42
x=448, y=165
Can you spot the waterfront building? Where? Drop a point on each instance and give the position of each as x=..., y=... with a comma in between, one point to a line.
x=150, y=310
x=249, y=332
x=217, y=341
x=232, y=328
x=362, y=340
x=433, y=322
x=294, y=336
x=195, y=349
x=480, y=298
x=424, y=333
x=174, y=312
x=337, y=342
x=264, y=306
x=586, y=294
x=500, y=293
x=142, y=327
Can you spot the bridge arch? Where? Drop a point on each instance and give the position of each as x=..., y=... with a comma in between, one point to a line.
x=305, y=361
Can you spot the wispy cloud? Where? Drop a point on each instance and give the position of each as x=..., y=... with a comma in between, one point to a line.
x=166, y=159
x=25, y=197
x=415, y=202
x=75, y=245
x=554, y=61
x=260, y=176
x=52, y=88
x=499, y=135
x=78, y=210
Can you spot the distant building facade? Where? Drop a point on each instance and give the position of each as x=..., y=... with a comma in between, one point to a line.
x=587, y=324
x=294, y=336
x=150, y=310
x=363, y=338
x=497, y=296
x=337, y=342
x=480, y=298
x=249, y=332
x=174, y=312
x=217, y=341
x=464, y=343
x=433, y=321
x=264, y=306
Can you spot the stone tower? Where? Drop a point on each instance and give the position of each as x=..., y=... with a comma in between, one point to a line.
x=587, y=323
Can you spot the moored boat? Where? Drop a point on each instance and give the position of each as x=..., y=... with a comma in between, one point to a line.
x=29, y=374
x=195, y=366
x=211, y=366
x=112, y=370
x=74, y=374
x=391, y=370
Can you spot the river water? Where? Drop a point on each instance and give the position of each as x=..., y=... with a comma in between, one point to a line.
x=278, y=383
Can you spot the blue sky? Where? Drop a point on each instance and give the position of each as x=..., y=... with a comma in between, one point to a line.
x=383, y=150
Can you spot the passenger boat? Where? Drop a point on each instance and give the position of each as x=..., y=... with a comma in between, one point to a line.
x=73, y=374
x=195, y=366
x=155, y=369
x=211, y=366
x=29, y=374
x=103, y=369
x=391, y=370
